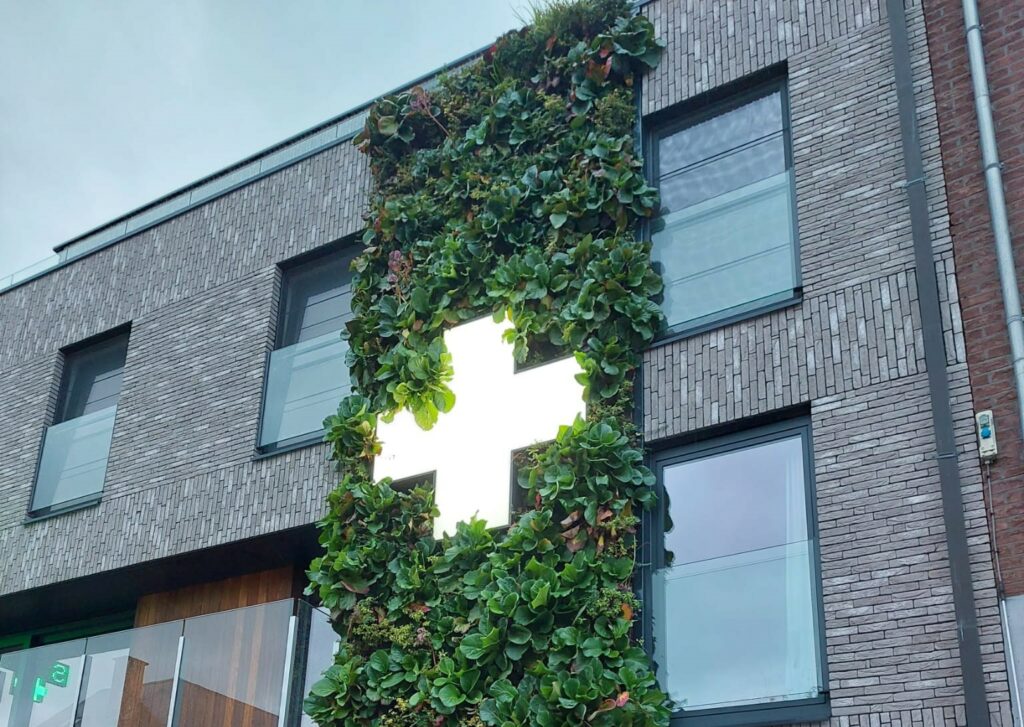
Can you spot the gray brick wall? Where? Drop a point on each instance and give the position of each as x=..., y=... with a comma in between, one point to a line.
x=199, y=291
x=851, y=350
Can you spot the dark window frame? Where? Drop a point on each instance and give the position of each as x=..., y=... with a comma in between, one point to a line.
x=56, y=416
x=345, y=245
x=652, y=548
x=68, y=373
x=694, y=111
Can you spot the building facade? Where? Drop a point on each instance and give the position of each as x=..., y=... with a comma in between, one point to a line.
x=825, y=538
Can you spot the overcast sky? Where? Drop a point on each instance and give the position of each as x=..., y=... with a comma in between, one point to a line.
x=108, y=104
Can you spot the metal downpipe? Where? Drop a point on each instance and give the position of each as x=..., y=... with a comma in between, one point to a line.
x=1004, y=255
x=996, y=200
x=946, y=454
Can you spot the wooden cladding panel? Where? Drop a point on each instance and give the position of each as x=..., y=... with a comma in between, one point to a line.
x=203, y=598
x=201, y=706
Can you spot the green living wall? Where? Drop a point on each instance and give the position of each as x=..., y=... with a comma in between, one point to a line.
x=513, y=188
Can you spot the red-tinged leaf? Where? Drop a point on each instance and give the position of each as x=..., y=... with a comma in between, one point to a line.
x=622, y=699
x=419, y=607
x=575, y=546
x=627, y=612
x=551, y=43
x=572, y=517
x=361, y=591
x=606, y=706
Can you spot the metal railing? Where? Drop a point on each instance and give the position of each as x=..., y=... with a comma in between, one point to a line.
x=312, y=141
x=191, y=197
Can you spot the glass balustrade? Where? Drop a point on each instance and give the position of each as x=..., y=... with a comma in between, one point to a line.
x=728, y=253
x=248, y=667
x=742, y=629
x=74, y=460
x=320, y=650
x=305, y=382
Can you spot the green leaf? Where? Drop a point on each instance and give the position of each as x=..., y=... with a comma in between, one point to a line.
x=519, y=634
x=541, y=598
x=387, y=125
x=323, y=688
x=450, y=696
x=592, y=647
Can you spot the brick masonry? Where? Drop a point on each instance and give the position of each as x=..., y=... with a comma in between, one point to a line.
x=851, y=350
x=200, y=292
x=988, y=349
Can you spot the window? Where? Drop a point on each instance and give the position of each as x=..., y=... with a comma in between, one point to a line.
x=735, y=592
x=307, y=376
x=73, y=463
x=726, y=238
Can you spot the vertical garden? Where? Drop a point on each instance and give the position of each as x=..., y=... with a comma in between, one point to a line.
x=513, y=188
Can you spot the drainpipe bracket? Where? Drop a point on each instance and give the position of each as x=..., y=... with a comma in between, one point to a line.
x=905, y=184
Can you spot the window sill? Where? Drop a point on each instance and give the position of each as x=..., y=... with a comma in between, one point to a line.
x=273, y=450
x=59, y=510
x=672, y=336
x=758, y=715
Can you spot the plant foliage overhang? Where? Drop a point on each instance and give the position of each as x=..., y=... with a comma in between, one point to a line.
x=513, y=188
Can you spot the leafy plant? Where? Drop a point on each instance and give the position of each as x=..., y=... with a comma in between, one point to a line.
x=512, y=188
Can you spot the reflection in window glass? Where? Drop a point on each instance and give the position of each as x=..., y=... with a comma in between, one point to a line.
x=129, y=676
x=73, y=462
x=317, y=298
x=725, y=239
x=322, y=644
x=232, y=667
x=307, y=376
x=93, y=377
x=39, y=687
x=735, y=605
x=305, y=382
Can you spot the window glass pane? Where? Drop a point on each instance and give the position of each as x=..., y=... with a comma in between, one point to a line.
x=317, y=298
x=726, y=236
x=323, y=642
x=735, y=618
x=723, y=174
x=722, y=133
x=93, y=377
x=305, y=382
x=39, y=687
x=727, y=254
x=129, y=676
x=307, y=375
x=233, y=664
x=73, y=463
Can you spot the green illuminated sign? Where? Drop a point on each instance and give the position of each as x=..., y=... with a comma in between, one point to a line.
x=59, y=674
x=39, y=691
